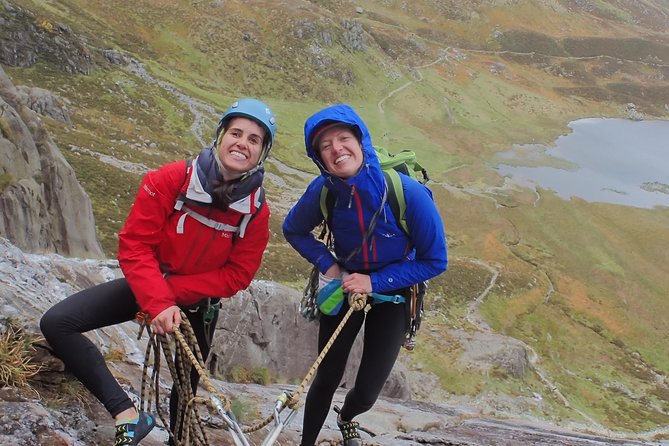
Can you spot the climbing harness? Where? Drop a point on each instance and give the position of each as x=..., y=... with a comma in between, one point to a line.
x=187, y=355
x=308, y=305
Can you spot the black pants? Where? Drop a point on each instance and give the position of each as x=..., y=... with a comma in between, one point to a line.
x=383, y=337
x=103, y=305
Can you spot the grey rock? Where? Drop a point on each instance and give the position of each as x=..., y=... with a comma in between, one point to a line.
x=326, y=38
x=353, y=36
x=116, y=57
x=261, y=328
x=632, y=112
x=45, y=103
x=31, y=283
x=42, y=206
x=304, y=29
x=488, y=351
x=25, y=39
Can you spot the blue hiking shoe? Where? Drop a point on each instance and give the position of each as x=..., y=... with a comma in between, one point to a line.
x=133, y=433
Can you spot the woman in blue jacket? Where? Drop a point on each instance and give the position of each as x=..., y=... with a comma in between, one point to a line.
x=371, y=254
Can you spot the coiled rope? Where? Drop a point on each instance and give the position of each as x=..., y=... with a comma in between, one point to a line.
x=187, y=355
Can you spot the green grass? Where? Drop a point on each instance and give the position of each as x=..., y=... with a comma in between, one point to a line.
x=258, y=375
x=16, y=355
x=244, y=409
x=6, y=180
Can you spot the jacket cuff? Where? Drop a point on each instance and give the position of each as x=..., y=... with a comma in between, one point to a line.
x=324, y=263
x=382, y=282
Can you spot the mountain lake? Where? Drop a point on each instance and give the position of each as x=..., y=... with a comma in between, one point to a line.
x=616, y=161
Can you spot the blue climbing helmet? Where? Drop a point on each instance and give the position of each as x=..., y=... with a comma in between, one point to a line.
x=252, y=109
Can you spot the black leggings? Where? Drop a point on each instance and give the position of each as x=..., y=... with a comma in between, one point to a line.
x=383, y=338
x=103, y=305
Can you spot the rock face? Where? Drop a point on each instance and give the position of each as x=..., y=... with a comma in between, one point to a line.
x=42, y=206
x=44, y=103
x=26, y=39
x=259, y=326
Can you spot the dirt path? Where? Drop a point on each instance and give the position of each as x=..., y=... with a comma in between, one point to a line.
x=202, y=112
x=474, y=317
x=419, y=77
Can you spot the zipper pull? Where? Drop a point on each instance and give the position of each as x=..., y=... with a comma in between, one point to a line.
x=350, y=199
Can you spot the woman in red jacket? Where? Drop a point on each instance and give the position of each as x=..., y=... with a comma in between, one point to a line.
x=195, y=234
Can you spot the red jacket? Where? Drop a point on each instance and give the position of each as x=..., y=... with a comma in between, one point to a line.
x=201, y=262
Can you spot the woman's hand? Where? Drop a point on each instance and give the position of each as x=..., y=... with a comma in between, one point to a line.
x=164, y=322
x=357, y=283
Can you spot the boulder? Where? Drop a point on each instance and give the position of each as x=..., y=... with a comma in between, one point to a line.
x=45, y=103
x=43, y=208
x=26, y=39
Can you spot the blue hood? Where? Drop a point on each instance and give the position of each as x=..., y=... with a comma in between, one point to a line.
x=391, y=258
x=343, y=113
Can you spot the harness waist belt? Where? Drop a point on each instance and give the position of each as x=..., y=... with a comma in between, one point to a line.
x=395, y=299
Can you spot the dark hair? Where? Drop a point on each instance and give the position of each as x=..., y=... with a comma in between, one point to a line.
x=222, y=192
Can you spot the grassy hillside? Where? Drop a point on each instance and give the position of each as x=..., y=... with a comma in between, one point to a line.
x=582, y=284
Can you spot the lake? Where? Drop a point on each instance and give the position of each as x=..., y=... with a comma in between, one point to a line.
x=606, y=160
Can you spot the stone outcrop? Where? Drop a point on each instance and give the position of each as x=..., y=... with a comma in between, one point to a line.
x=263, y=320
x=258, y=328
x=261, y=329
x=26, y=39
x=44, y=102
x=632, y=112
x=42, y=206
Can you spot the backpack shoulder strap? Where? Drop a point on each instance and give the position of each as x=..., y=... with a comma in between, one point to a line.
x=246, y=219
x=181, y=196
x=396, y=198
x=327, y=201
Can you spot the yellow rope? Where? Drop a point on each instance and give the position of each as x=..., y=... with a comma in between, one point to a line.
x=186, y=346
x=187, y=400
x=357, y=302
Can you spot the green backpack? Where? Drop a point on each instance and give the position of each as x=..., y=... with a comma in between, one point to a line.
x=392, y=165
x=404, y=162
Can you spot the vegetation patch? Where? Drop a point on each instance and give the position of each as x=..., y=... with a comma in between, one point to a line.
x=530, y=42
x=244, y=409
x=631, y=49
x=16, y=355
x=258, y=375
x=6, y=180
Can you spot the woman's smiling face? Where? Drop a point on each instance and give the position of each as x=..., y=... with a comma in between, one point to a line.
x=340, y=151
x=241, y=145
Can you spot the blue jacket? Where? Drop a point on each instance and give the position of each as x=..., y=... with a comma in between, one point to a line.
x=392, y=259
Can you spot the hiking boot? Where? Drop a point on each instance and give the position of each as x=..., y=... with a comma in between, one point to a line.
x=349, y=430
x=133, y=433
